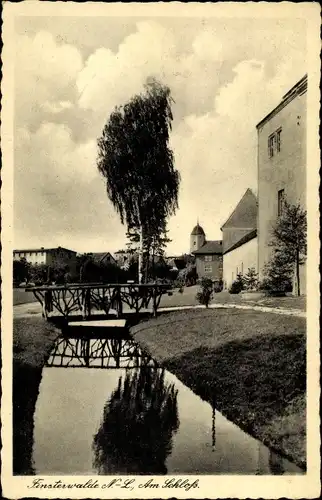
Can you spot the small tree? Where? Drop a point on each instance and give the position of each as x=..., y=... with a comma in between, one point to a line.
x=278, y=273
x=250, y=279
x=238, y=285
x=289, y=238
x=205, y=294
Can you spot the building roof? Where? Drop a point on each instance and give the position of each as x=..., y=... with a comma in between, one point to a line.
x=197, y=231
x=101, y=256
x=298, y=89
x=247, y=237
x=42, y=249
x=210, y=247
x=244, y=216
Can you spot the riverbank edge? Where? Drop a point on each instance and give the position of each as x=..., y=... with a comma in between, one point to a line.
x=147, y=333
x=32, y=342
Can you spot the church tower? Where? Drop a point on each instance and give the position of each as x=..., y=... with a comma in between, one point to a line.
x=197, y=238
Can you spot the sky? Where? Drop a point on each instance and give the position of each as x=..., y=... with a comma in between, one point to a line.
x=225, y=75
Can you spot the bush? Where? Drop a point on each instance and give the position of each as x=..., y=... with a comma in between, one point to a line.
x=278, y=272
x=238, y=285
x=205, y=294
x=218, y=286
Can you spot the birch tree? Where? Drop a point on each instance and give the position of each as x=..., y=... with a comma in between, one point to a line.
x=137, y=163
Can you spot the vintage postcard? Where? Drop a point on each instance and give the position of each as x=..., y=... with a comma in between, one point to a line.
x=160, y=244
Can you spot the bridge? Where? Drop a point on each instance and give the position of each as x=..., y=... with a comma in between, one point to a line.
x=85, y=298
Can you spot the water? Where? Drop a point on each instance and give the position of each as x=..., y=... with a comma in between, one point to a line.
x=104, y=407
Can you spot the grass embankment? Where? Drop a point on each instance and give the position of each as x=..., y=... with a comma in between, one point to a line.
x=32, y=341
x=250, y=365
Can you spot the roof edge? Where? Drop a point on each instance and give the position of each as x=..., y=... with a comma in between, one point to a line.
x=298, y=89
x=234, y=210
x=245, y=239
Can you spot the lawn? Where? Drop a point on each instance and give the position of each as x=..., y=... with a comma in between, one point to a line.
x=250, y=365
x=188, y=298
x=22, y=297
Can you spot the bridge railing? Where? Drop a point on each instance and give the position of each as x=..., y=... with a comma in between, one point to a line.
x=85, y=297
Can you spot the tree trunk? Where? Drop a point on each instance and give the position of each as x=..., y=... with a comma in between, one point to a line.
x=297, y=264
x=140, y=255
x=147, y=262
x=153, y=250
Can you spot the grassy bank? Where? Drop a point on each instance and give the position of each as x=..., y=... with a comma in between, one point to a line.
x=249, y=364
x=32, y=341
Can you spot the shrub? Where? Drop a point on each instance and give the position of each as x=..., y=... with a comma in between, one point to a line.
x=205, y=294
x=250, y=279
x=278, y=272
x=218, y=286
x=238, y=285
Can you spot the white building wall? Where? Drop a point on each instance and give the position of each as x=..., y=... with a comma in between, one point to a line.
x=33, y=257
x=239, y=260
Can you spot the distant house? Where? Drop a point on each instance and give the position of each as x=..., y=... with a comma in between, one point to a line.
x=208, y=254
x=240, y=245
x=102, y=257
x=282, y=165
x=176, y=262
x=48, y=256
x=124, y=257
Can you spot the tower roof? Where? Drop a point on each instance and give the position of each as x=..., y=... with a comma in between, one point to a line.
x=197, y=231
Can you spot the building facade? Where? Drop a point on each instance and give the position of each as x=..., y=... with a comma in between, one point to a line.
x=102, y=257
x=281, y=165
x=208, y=255
x=240, y=243
x=48, y=256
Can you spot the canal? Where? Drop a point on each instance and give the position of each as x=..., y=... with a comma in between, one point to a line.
x=106, y=407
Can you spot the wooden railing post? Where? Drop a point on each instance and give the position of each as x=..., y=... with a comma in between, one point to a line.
x=119, y=304
x=155, y=307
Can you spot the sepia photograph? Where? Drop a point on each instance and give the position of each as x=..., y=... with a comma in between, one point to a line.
x=160, y=250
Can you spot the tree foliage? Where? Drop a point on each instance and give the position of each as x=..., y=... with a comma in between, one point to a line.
x=250, y=279
x=136, y=162
x=20, y=271
x=290, y=232
x=205, y=293
x=278, y=272
x=289, y=240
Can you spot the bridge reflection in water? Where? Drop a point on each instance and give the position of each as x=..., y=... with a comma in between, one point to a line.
x=97, y=352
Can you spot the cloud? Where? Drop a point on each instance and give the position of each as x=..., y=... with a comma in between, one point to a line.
x=45, y=72
x=56, y=107
x=221, y=90
x=112, y=78
x=59, y=194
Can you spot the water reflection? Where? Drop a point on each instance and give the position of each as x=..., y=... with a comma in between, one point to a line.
x=129, y=416
x=97, y=352
x=138, y=423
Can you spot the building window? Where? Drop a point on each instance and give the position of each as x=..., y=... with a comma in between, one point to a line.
x=280, y=202
x=278, y=140
x=208, y=269
x=208, y=258
x=274, y=143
